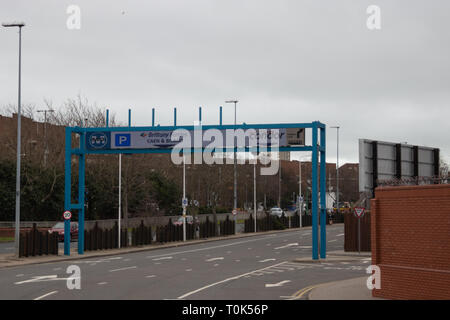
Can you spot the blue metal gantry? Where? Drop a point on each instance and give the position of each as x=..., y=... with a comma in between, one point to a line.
x=317, y=148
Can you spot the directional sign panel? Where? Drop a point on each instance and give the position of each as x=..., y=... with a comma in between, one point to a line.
x=162, y=139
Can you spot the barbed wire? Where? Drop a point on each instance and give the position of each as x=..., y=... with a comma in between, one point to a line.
x=414, y=181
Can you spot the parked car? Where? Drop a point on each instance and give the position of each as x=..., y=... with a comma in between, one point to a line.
x=189, y=220
x=276, y=211
x=59, y=228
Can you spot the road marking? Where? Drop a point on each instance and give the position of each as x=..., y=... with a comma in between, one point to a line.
x=127, y=268
x=188, y=270
x=45, y=295
x=102, y=283
x=269, y=244
x=265, y=260
x=20, y=275
x=340, y=234
x=150, y=276
x=223, y=281
x=288, y=234
x=249, y=248
x=333, y=240
x=162, y=258
x=214, y=259
x=42, y=279
x=127, y=260
x=287, y=246
x=237, y=260
x=216, y=265
x=279, y=284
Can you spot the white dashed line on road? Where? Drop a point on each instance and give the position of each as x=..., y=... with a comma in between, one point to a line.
x=279, y=284
x=214, y=259
x=162, y=258
x=266, y=260
x=127, y=268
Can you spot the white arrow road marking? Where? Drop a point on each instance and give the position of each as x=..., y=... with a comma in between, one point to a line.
x=46, y=295
x=265, y=260
x=287, y=246
x=279, y=284
x=214, y=259
x=223, y=281
x=162, y=258
x=127, y=268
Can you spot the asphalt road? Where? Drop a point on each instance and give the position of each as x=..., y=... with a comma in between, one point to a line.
x=254, y=268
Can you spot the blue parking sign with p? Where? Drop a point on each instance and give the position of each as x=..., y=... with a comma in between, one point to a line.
x=123, y=140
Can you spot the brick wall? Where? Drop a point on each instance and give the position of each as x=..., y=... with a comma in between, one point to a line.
x=410, y=228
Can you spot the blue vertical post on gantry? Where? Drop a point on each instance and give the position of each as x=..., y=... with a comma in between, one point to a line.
x=68, y=205
x=319, y=214
x=323, y=205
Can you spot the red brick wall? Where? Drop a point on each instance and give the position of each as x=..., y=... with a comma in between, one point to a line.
x=410, y=228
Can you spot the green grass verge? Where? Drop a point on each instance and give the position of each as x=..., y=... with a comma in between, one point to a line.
x=6, y=239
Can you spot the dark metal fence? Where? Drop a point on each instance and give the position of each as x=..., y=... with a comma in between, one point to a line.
x=227, y=227
x=37, y=243
x=269, y=223
x=351, y=232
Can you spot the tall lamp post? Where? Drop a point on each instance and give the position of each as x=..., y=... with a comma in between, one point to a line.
x=235, y=174
x=337, y=169
x=17, y=231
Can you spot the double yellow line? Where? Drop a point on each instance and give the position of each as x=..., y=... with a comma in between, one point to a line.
x=300, y=293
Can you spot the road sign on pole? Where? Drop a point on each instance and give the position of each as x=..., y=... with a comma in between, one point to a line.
x=359, y=213
x=67, y=215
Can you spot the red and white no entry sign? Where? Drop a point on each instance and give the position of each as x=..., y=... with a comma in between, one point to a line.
x=67, y=215
x=359, y=212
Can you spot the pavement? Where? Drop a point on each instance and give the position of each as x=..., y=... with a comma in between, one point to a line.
x=262, y=266
x=350, y=289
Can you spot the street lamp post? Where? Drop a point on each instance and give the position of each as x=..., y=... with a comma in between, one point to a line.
x=337, y=168
x=235, y=174
x=17, y=231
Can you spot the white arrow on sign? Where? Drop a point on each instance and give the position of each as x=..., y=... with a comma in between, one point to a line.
x=279, y=284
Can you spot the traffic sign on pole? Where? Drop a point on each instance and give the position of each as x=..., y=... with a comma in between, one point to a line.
x=67, y=215
x=359, y=212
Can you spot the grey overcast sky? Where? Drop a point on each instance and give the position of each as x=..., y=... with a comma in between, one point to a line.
x=284, y=60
